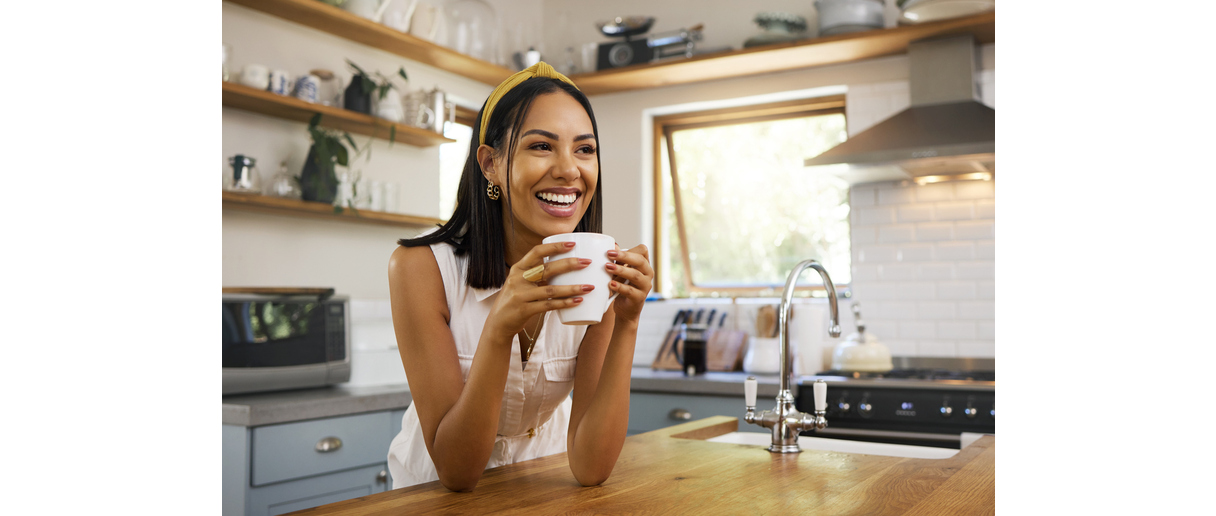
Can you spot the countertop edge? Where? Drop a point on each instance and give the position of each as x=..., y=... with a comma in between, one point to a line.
x=292, y=406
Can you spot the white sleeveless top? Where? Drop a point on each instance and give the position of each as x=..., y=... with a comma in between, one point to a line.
x=535, y=409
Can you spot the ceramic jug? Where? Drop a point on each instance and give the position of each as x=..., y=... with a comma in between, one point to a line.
x=390, y=107
x=370, y=9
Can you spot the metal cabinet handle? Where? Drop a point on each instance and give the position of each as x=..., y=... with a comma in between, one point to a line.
x=329, y=444
x=382, y=477
x=680, y=414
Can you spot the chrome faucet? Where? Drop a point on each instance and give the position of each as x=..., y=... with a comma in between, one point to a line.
x=785, y=420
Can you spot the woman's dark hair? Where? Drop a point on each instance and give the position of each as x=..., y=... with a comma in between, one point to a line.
x=476, y=226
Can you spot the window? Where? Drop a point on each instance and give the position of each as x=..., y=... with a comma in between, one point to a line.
x=452, y=157
x=736, y=209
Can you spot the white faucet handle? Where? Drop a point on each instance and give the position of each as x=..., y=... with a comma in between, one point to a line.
x=749, y=391
x=821, y=395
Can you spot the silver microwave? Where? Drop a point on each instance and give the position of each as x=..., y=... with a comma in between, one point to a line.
x=284, y=338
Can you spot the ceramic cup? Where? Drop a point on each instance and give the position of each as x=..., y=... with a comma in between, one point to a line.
x=256, y=76
x=308, y=88
x=594, y=246
x=280, y=82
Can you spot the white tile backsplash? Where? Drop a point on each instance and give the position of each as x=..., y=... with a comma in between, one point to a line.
x=934, y=231
x=955, y=210
x=932, y=289
x=916, y=252
x=896, y=234
x=956, y=251
x=875, y=215
x=935, y=271
x=975, y=230
x=914, y=213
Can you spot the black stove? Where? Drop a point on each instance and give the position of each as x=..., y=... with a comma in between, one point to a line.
x=914, y=374
x=922, y=401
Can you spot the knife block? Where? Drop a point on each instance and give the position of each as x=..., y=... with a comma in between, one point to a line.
x=726, y=348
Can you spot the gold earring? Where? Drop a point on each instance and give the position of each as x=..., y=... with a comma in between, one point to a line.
x=493, y=191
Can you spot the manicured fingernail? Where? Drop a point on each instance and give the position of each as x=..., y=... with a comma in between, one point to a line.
x=613, y=253
x=568, y=244
x=578, y=300
x=613, y=284
x=588, y=288
x=584, y=261
x=611, y=266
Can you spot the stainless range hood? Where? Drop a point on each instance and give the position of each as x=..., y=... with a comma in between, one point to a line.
x=946, y=133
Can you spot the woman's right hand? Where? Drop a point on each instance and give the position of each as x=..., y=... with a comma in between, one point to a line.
x=521, y=299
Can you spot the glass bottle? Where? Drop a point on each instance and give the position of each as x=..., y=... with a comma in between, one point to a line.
x=284, y=184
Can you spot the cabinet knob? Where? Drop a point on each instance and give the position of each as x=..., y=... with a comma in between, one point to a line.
x=680, y=414
x=382, y=477
x=329, y=444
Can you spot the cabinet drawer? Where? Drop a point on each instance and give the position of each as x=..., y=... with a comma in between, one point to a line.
x=285, y=497
x=651, y=411
x=287, y=451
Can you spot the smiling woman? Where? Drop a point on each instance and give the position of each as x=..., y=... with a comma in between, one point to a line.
x=468, y=321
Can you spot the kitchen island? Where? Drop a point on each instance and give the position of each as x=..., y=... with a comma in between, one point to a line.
x=675, y=470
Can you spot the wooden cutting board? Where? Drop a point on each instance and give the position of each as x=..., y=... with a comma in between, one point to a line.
x=726, y=350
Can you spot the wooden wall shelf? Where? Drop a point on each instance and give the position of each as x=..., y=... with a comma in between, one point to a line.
x=334, y=20
x=319, y=210
x=778, y=57
x=246, y=98
x=782, y=57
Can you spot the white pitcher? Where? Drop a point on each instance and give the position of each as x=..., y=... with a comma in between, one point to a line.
x=370, y=9
x=390, y=107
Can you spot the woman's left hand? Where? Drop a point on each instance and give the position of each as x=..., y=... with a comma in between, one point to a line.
x=631, y=265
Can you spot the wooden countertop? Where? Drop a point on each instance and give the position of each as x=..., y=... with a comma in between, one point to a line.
x=673, y=470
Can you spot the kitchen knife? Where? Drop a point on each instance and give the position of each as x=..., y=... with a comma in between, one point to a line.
x=674, y=336
x=709, y=321
x=699, y=314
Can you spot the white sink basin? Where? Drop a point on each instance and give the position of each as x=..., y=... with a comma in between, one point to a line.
x=843, y=446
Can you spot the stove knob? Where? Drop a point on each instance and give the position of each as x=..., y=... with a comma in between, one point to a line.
x=865, y=409
x=947, y=411
x=971, y=412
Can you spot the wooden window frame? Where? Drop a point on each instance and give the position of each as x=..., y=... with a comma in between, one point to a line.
x=665, y=125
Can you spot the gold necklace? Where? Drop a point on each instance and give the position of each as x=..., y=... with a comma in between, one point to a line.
x=531, y=340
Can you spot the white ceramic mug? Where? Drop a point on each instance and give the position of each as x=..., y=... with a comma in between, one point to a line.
x=593, y=246
x=308, y=88
x=256, y=76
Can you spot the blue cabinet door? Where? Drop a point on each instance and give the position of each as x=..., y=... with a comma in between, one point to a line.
x=311, y=492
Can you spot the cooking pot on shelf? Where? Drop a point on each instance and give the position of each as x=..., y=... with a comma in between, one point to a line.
x=844, y=16
x=861, y=351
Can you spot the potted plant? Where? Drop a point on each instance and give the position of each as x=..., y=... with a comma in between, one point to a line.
x=318, y=181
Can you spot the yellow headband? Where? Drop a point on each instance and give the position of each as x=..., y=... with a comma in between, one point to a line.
x=541, y=69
